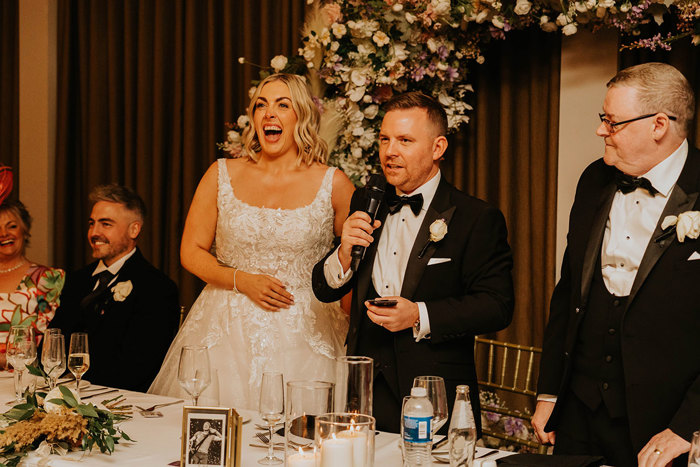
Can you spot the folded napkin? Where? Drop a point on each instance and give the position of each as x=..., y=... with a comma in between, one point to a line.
x=543, y=460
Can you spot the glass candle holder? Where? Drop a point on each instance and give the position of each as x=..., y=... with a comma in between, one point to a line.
x=305, y=400
x=345, y=440
x=354, y=382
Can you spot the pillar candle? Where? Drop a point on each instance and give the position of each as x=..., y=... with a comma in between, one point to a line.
x=359, y=446
x=336, y=452
x=302, y=459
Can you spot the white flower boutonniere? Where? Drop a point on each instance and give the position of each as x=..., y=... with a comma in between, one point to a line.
x=122, y=290
x=687, y=224
x=438, y=230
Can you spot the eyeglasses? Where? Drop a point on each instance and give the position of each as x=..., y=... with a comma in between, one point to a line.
x=612, y=126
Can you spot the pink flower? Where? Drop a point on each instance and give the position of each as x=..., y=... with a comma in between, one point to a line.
x=331, y=12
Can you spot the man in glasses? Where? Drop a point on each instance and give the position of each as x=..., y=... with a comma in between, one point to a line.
x=620, y=369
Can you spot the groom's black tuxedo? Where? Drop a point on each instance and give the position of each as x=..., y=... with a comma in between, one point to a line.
x=128, y=339
x=469, y=292
x=658, y=326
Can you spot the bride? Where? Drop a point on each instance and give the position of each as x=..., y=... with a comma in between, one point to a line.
x=271, y=215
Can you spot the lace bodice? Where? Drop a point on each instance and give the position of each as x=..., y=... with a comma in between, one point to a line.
x=284, y=243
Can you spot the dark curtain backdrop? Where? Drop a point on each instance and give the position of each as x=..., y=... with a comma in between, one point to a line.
x=145, y=87
x=9, y=86
x=507, y=155
x=144, y=90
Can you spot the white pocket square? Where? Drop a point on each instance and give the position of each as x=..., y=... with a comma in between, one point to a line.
x=694, y=256
x=438, y=261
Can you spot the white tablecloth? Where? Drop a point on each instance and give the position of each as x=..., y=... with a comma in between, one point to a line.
x=158, y=439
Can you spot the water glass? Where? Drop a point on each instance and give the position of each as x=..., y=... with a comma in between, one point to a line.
x=21, y=351
x=435, y=388
x=193, y=372
x=354, y=382
x=53, y=356
x=305, y=401
x=694, y=456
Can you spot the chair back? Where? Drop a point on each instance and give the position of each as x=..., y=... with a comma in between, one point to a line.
x=509, y=374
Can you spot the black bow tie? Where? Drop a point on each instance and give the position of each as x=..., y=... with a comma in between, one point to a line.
x=395, y=203
x=628, y=183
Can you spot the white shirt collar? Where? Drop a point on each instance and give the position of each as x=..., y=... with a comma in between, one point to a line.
x=116, y=266
x=664, y=175
x=427, y=189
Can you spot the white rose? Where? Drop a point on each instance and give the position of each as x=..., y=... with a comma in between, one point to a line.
x=371, y=111
x=358, y=77
x=55, y=393
x=410, y=18
x=366, y=48
x=122, y=290
x=278, y=63
x=397, y=7
x=400, y=51
x=242, y=121
x=569, y=29
x=438, y=230
x=581, y=7
x=356, y=94
x=498, y=22
x=522, y=7
x=688, y=225
x=562, y=20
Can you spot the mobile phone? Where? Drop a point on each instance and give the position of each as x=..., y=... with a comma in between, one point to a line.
x=383, y=302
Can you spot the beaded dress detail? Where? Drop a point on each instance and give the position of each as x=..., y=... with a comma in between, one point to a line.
x=243, y=339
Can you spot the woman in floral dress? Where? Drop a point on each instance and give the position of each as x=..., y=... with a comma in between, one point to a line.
x=29, y=292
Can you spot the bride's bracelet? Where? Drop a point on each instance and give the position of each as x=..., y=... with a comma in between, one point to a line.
x=235, y=289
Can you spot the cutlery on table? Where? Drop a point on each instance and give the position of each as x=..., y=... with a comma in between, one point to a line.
x=276, y=447
x=158, y=406
x=99, y=394
x=264, y=438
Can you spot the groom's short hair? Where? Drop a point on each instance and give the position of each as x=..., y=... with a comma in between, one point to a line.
x=121, y=194
x=416, y=99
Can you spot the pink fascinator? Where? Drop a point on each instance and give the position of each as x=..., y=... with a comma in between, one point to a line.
x=5, y=182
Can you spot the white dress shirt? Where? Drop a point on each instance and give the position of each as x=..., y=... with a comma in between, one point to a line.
x=632, y=220
x=393, y=252
x=113, y=268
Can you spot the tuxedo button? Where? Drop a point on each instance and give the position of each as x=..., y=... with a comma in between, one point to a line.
x=566, y=354
x=612, y=331
x=605, y=386
x=608, y=358
x=616, y=302
x=577, y=310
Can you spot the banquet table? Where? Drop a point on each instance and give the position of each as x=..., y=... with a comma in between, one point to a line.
x=157, y=440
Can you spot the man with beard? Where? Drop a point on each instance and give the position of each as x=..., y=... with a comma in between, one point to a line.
x=128, y=307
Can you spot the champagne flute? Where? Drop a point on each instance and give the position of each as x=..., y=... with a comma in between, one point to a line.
x=78, y=357
x=21, y=351
x=193, y=371
x=271, y=409
x=53, y=356
x=435, y=388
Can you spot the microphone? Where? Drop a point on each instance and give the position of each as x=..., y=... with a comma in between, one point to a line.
x=374, y=192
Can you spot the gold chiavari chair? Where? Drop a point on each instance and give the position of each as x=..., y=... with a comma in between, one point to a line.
x=510, y=369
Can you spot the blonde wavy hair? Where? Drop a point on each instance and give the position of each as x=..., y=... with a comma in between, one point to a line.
x=310, y=147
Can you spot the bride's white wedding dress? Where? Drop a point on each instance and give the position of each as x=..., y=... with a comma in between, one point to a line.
x=243, y=339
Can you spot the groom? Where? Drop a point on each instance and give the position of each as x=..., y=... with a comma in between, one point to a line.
x=448, y=288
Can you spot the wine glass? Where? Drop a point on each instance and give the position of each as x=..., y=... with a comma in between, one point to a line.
x=78, y=357
x=271, y=409
x=53, y=356
x=435, y=388
x=193, y=372
x=21, y=351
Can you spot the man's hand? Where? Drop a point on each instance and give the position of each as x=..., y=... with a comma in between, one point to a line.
x=356, y=231
x=661, y=449
x=539, y=419
x=394, y=318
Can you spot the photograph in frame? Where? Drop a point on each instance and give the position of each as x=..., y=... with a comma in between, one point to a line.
x=210, y=437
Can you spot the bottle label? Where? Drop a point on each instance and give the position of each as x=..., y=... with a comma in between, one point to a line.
x=417, y=429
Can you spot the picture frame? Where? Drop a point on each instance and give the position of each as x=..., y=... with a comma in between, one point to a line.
x=211, y=437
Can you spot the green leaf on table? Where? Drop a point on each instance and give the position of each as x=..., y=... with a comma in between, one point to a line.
x=87, y=410
x=126, y=437
x=20, y=412
x=68, y=396
x=109, y=441
x=59, y=402
x=36, y=371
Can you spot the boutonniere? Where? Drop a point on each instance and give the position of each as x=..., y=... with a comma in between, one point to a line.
x=686, y=224
x=122, y=290
x=438, y=230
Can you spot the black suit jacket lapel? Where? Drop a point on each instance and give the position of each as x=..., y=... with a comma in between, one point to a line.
x=595, y=239
x=683, y=197
x=440, y=208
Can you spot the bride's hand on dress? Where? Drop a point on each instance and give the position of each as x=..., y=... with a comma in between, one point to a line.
x=266, y=291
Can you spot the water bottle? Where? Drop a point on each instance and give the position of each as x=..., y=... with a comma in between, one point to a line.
x=462, y=433
x=417, y=433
